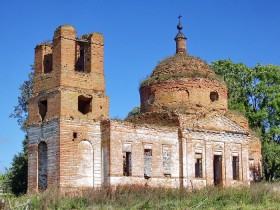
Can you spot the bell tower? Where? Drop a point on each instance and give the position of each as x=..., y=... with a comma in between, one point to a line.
x=66, y=107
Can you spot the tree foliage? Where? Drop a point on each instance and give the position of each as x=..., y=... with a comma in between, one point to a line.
x=4, y=183
x=17, y=174
x=134, y=111
x=256, y=93
x=21, y=109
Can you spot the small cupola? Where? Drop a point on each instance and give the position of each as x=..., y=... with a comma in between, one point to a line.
x=180, y=39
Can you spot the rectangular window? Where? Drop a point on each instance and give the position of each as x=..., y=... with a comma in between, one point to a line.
x=147, y=163
x=84, y=104
x=127, y=164
x=198, y=165
x=235, y=168
x=166, y=154
x=48, y=63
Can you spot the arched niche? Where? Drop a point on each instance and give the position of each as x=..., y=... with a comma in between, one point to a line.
x=85, y=164
x=42, y=166
x=182, y=95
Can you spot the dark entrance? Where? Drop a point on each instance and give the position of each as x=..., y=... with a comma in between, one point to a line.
x=217, y=169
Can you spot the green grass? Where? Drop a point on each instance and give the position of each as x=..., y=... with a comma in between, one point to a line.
x=257, y=196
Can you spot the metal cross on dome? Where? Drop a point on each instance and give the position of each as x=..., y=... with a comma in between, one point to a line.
x=179, y=26
x=179, y=17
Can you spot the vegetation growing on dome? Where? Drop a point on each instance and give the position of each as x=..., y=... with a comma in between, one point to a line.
x=136, y=110
x=165, y=77
x=182, y=63
x=180, y=66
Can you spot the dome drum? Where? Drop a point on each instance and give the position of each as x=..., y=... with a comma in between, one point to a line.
x=187, y=94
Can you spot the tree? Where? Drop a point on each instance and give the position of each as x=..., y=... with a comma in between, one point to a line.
x=21, y=110
x=4, y=183
x=17, y=174
x=256, y=93
x=238, y=78
x=266, y=115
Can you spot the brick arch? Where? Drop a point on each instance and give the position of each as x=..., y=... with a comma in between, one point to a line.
x=85, y=164
x=42, y=165
x=181, y=95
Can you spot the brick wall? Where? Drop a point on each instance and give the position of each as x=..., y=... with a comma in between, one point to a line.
x=188, y=94
x=140, y=138
x=70, y=156
x=214, y=143
x=184, y=144
x=48, y=133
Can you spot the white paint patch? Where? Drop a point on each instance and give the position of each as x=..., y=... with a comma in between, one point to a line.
x=85, y=164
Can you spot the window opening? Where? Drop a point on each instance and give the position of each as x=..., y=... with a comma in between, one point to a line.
x=81, y=57
x=43, y=108
x=127, y=167
x=214, y=96
x=84, y=104
x=147, y=163
x=235, y=168
x=198, y=165
x=75, y=135
x=166, y=153
x=47, y=63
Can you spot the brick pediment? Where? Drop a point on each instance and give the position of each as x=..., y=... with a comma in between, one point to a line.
x=214, y=122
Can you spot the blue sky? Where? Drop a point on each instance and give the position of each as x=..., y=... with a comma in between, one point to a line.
x=138, y=34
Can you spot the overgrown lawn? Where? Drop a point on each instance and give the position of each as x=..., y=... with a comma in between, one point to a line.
x=257, y=196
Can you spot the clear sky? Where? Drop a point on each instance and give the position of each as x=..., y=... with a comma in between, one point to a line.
x=138, y=34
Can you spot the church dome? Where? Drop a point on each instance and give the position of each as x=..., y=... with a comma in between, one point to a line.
x=183, y=83
x=184, y=65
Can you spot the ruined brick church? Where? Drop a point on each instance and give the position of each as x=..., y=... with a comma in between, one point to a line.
x=183, y=136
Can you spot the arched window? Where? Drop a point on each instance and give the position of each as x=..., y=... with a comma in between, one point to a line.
x=85, y=164
x=42, y=166
x=182, y=95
